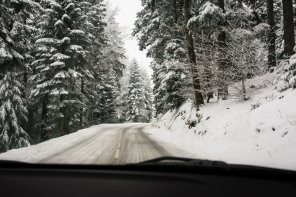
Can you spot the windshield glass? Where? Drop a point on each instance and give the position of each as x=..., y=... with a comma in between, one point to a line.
x=120, y=82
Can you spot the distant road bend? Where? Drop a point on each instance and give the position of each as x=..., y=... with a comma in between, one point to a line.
x=117, y=144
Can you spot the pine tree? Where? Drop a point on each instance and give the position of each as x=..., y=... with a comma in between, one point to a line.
x=209, y=19
x=134, y=103
x=223, y=86
x=59, y=63
x=13, y=113
x=159, y=90
x=147, y=99
x=92, y=21
x=106, y=104
x=16, y=28
x=48, y=63
x=109, y=70
x=113, y=52
x=192, y=58
x=14, y=33
x=169, y=45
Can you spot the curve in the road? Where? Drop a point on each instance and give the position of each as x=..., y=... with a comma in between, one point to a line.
x=117, y=144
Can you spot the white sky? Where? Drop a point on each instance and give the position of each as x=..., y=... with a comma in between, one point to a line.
x=126, y=17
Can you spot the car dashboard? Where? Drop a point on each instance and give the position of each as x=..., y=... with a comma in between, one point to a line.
x=20, y=179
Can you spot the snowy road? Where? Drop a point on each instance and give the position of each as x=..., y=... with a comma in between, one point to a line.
x=116, y=144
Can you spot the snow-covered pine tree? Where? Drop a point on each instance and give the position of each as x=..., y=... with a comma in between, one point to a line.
x=16, y=28
x=92, y=21
x=208, y=20
x=112, y=61
x=165, y=47
x=159, y=91
x=148, y=96
x=14, y=32
x=135, y=96
x=113, y=52
x=74, y=20
x=13, y=113
x=48, y=62
x=177, y=75
x=60, y=59
x=147, y=27
x=120, y=100
x=106, y=104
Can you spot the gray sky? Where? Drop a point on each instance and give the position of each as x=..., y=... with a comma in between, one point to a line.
x=126, y=17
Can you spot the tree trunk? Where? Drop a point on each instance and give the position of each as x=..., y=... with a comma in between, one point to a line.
x=90, y=116
x=289, y=38
x=244, y=92
x=81, y=110
x=271, y=35
x=44, y=112
x=222, y=86
x=206, y=64
x=62, y=118
x=175, y=16
x=192, y=59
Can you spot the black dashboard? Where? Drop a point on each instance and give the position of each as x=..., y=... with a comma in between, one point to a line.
x=18, y=179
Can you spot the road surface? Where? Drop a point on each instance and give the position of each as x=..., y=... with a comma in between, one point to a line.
x=111, y=145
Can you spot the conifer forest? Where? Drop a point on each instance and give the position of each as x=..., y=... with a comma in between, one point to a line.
x=63, y=65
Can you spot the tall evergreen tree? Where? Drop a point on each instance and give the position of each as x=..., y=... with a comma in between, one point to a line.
x=14, y=32
x=192, y=58
x=222, y=64
x=59, y=64
x=148, y=96
x=13, y=113
x=110, y=69
x=207, y=20
x=134, y=103
x=169, y=45
x=15, y=47
x=106, y=104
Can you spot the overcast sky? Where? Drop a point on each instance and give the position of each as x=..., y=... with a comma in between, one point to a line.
x=126, y=17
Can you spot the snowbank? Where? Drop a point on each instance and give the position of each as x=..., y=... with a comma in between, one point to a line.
x=260, y=131
x=35, y=153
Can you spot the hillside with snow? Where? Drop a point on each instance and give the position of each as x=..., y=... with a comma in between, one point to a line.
x=260, y=131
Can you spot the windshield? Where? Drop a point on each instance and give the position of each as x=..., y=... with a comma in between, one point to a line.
x=120, y=82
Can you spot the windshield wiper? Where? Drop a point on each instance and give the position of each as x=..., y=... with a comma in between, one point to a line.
x=209, y=166
x=167, y=160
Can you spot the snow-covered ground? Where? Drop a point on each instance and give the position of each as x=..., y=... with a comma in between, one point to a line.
x=260, y=131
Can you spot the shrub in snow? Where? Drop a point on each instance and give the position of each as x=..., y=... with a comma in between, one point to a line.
x=292, y=62
x=271, y=70
x=292, y=82
x=282, y=86
x=286, y=72
x=255, y=105
x=191, y=123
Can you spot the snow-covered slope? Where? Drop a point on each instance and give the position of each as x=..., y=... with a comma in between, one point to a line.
x=260, y=131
